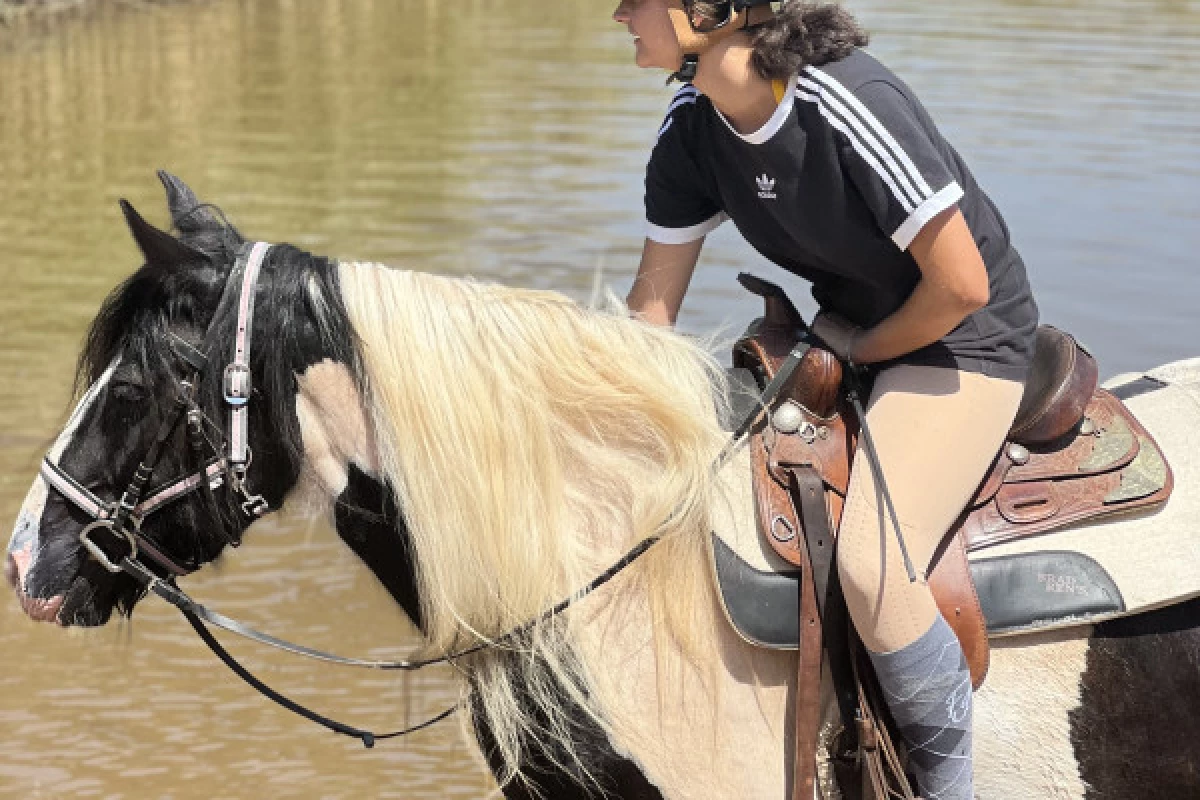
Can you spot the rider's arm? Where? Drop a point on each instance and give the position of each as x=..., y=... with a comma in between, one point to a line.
x=953, y=284
x=662, y=280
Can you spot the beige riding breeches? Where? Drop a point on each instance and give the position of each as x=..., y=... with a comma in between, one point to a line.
x=937, y=431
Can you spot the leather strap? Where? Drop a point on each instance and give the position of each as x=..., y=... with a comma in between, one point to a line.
x=79, y=495
x=808, y=683
x=197, y=615
x=366, y=737
x=868, y=443
x=769, y=395
x=809, y=488
x=809, y=491
x=177, y=597
x=237, y=375
x=776, y=515
x=954, y=590
x=181, y=488
x=87, y=502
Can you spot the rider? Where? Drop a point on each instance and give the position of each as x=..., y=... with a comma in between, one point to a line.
x=830, y=167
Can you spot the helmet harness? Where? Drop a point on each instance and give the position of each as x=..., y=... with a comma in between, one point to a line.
x=691, y=61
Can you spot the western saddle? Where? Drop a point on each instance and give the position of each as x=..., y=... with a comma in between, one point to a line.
x=1055, y=469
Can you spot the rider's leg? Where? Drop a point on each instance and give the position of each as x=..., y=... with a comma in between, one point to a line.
x=937, y=431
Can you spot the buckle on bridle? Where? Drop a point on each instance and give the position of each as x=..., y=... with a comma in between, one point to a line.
x=99, y=554
x=255, y=505
x=237, y=384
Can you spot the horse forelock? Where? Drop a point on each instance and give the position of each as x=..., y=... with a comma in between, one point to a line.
x=530, y=441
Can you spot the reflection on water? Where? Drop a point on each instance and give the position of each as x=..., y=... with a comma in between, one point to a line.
x=505, y=140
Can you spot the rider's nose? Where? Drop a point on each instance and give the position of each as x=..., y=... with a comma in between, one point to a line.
x=621, y=14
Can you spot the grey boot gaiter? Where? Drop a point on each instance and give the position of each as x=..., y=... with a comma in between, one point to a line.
x=927, y=686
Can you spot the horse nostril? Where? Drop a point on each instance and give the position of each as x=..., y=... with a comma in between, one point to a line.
x=11, y=573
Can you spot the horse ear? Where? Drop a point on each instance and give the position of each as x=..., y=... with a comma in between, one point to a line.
x=186, y=213
x=161, y=249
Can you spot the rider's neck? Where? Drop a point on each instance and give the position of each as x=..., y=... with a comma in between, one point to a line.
x=730, y=81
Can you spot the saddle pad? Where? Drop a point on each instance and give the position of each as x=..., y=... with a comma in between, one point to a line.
x=1017, y=594
x=1116, y=567
x=1153, y=559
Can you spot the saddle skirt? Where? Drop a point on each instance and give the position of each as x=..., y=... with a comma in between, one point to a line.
x=1070, y=527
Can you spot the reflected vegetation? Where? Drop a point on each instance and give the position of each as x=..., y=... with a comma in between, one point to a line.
x=503, y=139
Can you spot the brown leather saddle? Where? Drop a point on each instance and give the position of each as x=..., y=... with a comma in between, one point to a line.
x=1070, y=457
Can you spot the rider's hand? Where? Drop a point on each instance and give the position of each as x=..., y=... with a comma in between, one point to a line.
x=838, y=334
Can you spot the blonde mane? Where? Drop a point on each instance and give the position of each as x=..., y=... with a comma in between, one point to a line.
x=529, y=439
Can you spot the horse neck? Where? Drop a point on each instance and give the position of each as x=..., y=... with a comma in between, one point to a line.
x=530, y=439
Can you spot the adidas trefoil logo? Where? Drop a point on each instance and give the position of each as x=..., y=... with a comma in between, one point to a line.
x=766, y=187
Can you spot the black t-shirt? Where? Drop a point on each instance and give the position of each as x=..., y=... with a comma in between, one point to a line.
x=834, y=188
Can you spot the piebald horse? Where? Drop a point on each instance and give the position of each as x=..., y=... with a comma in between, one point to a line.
x=488, y=451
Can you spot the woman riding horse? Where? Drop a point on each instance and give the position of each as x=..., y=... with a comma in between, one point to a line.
x=830, y=167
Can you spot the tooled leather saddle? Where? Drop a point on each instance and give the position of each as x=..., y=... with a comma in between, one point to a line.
x=1064, y=462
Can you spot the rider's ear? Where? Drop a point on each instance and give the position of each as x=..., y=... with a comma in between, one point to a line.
x=161, y=249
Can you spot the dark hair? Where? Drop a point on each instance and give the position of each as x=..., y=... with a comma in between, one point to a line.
x=804, y=34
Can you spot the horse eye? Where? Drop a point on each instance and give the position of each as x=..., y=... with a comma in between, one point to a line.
x=124, y=391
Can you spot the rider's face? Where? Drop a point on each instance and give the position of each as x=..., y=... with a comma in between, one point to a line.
x=655, y=25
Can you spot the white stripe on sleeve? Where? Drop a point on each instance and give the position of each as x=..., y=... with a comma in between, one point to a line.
x=686, y=100
x=657, y=233
x=879, y=129
x=666, y=127
x=684, y=97
x=859, y=146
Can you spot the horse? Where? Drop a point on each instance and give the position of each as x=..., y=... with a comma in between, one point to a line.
x=488, y=451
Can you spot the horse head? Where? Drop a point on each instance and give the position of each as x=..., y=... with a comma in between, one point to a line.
x=169, y=331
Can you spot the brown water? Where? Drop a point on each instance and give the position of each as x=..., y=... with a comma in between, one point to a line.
x=506, y=140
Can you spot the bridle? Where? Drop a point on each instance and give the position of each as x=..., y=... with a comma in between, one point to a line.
x=228, y=467
x=123, y=519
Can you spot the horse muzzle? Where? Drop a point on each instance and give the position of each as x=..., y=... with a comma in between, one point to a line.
x=16, y=569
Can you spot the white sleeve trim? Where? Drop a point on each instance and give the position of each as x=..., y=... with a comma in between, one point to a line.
x=662, y=235
x=935, y=205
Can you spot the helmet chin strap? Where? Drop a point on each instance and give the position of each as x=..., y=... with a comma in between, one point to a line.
x=691, y=61
x=687, y=71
